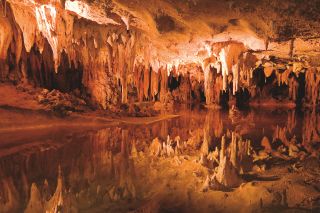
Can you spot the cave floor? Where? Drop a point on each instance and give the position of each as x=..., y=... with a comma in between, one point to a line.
x=110, y=165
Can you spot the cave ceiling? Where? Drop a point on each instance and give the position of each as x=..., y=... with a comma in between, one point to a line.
x=183, y=31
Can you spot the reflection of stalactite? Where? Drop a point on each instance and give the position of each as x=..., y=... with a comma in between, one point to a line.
x=124, y=188
x=206, y=136
x=240, y=153
x=9, y=198
x=35, y=204
x=281, y=134
x=226, y=172
x=233, y=160
x=310, y=133
x=291, y=123
x=60, y=200
x=56, y=202
x=164, y=129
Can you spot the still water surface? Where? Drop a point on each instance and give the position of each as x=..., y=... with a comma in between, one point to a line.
x=110, y=170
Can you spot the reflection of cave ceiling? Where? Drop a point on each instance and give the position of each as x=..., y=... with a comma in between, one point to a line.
x=180, y=29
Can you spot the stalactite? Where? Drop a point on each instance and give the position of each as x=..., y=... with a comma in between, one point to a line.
x=247, y=63
x=6, y=34
x=141, y=83
x=312, y=77
x=268, y=71
x=235, y=80
x=208, y=85
x=163, y=82
x=146, y=82
x=154, y=86
x=283, y=77
x=293, y=88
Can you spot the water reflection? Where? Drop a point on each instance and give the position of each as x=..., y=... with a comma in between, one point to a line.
x=119, y=169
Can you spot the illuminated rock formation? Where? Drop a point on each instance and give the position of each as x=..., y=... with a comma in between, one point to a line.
x=110, y=48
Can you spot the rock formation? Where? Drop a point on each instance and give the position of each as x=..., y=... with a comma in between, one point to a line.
x=69, y=45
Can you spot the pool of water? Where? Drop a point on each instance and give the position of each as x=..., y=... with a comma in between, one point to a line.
x=112, y=170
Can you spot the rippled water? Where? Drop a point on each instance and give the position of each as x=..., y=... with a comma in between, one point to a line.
x=101, y=171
